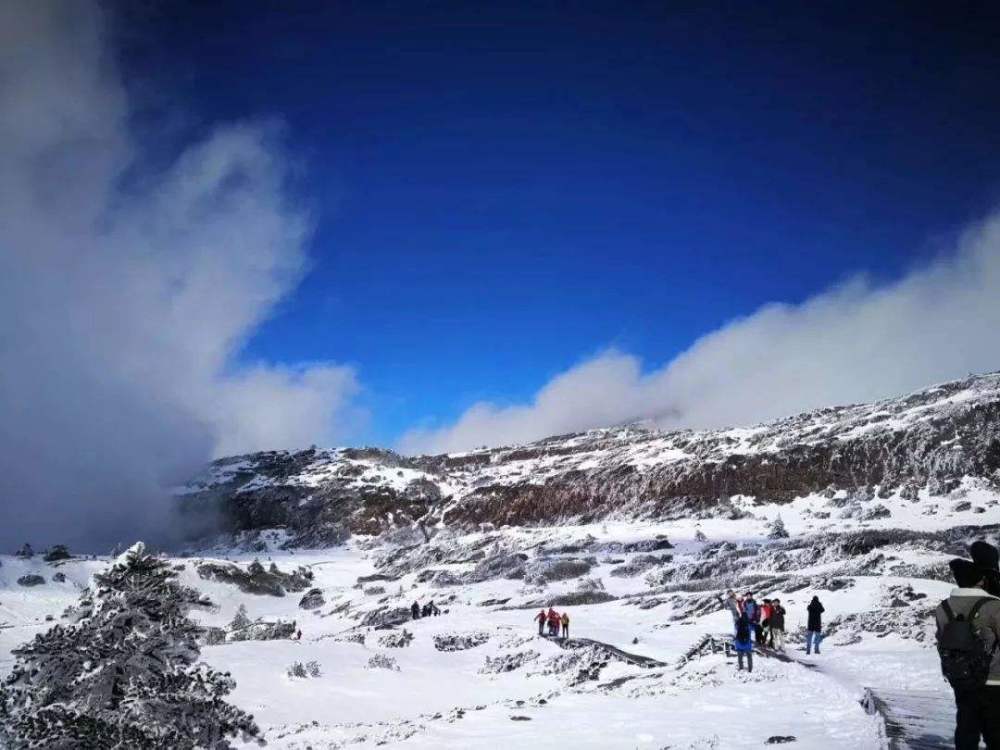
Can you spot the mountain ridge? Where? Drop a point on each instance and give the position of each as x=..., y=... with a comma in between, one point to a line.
x=931, y=440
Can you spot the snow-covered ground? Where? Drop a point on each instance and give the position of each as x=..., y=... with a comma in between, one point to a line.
x=553, y=697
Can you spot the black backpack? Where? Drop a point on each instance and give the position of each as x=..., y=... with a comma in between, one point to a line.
x=743, y=630
x=965, y=659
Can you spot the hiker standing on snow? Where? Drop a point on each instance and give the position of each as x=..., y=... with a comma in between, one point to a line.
x=752, y=611
x=968, y=640
x=814, y=627
x=565, y=625
x=777, y=625
x=541, y=618
x=554, y=623
x=765, y=623
x=415, y=611
x=743, y=642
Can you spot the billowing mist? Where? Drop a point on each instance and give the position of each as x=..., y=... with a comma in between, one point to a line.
x=122, y=312
x=855, y=342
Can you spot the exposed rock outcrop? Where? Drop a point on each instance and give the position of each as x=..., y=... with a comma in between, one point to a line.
x=929, y=441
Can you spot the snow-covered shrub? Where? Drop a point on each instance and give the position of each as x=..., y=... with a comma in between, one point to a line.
x=460, y=641
x=777, y=529
x=503, y=565
x=381, y=661
x=358, y=638
x=874, y=512
x=125, y=675
x=302, y=671
x=396, y=639
x=590, y=584
x=384, y=617
x=263, y=631
x=640, y=564
x=580, y=598
x=31, y=580
x=26, y=552
x=545, y=571
x=255, y=579
x=57, y=552
x=507, y=662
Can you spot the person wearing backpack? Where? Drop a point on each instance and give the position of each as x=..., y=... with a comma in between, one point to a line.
x=968, y=635
x=743, y=642
x=752, y=611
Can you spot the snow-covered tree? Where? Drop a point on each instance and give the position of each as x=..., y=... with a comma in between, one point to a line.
x=777, y=529
x=124, y=674
x=241, y=619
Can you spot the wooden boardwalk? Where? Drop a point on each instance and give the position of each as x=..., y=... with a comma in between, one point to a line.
x=612, y=651
x=914, y=719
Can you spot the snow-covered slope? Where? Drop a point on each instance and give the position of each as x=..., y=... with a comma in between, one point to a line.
x=479, y=676
x=633, y=532
x=934, y=441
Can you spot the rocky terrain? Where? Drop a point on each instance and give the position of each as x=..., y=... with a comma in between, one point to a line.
x=933, y=441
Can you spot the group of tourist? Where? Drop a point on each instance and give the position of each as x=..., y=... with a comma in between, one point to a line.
x=427, y=610
x=763, y=624
x=557, y=624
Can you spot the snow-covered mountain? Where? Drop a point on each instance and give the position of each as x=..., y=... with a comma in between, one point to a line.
x=633, y=532
x=933, y=441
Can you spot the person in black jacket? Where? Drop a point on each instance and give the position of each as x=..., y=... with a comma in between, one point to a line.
x=977, y=713
x=814, y=628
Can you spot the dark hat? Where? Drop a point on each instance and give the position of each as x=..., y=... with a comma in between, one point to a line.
x=985, y=556
x=967, y=574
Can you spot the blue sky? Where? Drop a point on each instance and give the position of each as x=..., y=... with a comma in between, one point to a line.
x=501, y=193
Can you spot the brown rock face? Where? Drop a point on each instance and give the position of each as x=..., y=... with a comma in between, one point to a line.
x=931, y=439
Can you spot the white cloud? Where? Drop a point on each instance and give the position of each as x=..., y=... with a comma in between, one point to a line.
x=855, y=342
x=126, y=297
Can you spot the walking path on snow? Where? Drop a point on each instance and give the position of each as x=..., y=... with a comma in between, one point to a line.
x=914, y=719
x=634, y=659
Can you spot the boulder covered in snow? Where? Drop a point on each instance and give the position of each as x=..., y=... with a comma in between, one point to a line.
x=313, y=599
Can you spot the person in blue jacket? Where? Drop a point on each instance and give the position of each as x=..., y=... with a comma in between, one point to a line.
x=752, y=610
x=743, y=641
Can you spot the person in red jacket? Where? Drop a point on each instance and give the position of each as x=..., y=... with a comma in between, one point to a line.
x=765, y=615
x=554, y=622
x=541, y=618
